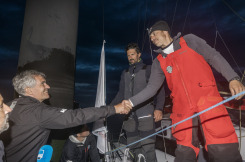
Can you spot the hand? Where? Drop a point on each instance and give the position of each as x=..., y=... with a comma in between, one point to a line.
x=122, y=108
x=127, y=104
x=236, y=87
x=157, y=115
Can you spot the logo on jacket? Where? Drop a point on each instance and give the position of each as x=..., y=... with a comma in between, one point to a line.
x=63, y=110
x=169, y=69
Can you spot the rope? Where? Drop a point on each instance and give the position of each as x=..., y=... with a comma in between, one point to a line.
x=174, y=15
x=103, y=20
x=186, y=15
x=164, y=144
x=141, y=156
x=138, y=22
x=229, y=52
x=215, y=41
x=174, y=125
x=233, y=10
x=240, y=122
x=144, y=35
x=150, y=46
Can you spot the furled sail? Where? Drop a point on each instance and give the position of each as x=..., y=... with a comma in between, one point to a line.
x=99, y=129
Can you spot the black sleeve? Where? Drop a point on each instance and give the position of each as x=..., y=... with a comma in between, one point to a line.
x=57, y=118
x=69, y=151
x=211, y=55
x=120, y=94
x=93, y=151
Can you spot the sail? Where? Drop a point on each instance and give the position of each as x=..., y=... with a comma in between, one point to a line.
x=99, y=128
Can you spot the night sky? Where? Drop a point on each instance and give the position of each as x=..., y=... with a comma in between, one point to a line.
x=126, y=21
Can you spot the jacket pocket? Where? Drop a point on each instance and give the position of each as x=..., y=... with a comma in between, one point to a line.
x=215, y=121
x=179, y=132
x=129, y=125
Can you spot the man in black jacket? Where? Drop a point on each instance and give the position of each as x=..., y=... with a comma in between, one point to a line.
x=140, y=122
x=32, y=119
x=80, y=147
x=4, y=124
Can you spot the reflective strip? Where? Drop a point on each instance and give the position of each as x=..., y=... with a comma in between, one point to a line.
x=144, y=117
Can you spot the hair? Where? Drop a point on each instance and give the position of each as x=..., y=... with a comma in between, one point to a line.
x=25, y=79
x=80, y=129
x=133, y=46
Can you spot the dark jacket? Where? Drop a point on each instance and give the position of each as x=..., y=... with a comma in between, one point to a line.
x=31, y=122
x=213, y=57
x=135, y=69
x=2, y=157
x=76, y=151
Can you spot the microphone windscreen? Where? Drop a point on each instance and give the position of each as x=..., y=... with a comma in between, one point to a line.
x=45, y=153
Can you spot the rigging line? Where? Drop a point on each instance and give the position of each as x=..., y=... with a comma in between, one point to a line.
x=164, y=145
x=103, y=19
x=240, y=127
x=243, y=76
x=233, y=10
x=216, y=34
x=186, y=15
x=174, y=16
x=215, y=25
x=138, y=22
x=150, y=49
x=174, y=125
x=229, y=52
x=143, y=42
x=240, y=118
x=144, y=35
x=120, y=133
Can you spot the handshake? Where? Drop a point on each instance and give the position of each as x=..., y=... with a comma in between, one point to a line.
x=124, y=107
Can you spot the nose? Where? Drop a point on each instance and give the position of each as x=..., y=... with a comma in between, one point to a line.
x=47, y=86
x=6, y=109
x=152, y=38
x=129, y=57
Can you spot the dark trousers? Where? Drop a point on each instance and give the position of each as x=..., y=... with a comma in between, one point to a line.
x=137, y=129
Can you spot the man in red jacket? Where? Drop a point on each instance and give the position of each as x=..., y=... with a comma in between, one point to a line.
x=184, y=63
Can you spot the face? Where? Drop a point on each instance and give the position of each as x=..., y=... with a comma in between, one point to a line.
x=160, y=38
x=133, y=56
x=40, y=90
x=4, y=110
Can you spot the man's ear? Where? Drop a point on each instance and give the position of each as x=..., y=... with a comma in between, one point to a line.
x=139, y=55
x=28, y=91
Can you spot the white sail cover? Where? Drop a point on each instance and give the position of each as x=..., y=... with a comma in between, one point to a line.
x=99, y=128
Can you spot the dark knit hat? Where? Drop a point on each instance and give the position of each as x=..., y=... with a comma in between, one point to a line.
x=159, y=25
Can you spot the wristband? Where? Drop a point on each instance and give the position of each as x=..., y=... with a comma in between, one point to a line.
x=235, y=78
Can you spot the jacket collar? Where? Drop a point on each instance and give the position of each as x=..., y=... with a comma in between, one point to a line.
x=160, y=50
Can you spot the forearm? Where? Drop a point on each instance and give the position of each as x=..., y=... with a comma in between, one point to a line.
x=156, y=79
x=54, y=119
x=160, y=99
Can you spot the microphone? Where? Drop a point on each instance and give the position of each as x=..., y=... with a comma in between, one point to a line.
x=45, y=153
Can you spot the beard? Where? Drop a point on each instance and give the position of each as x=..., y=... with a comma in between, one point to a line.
x=5, y=124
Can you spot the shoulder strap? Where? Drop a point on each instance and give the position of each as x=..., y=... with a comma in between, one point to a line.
x=182, y=42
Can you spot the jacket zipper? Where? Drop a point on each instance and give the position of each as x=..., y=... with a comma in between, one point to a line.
x=183, y=83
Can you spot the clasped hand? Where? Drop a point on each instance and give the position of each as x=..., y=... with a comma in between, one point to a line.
x=124, y=107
